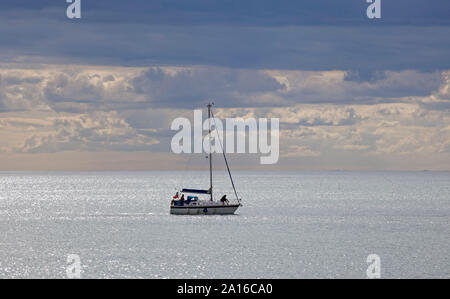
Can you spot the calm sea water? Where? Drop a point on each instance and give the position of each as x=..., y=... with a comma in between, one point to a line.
x=292, y=225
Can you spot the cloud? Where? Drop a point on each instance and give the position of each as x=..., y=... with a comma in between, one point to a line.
x=192, y=87
x=66, y=88
x=94, y=132
x=440, y=99
x=397, y=128
x=110, y=34
x=312, y=135
x=80, y=89
x=349, y=92
x=326, y=118
x=300, y=151
x=245, y=12
x=335, y=87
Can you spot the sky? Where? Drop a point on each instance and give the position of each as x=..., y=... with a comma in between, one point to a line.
x=101, y=92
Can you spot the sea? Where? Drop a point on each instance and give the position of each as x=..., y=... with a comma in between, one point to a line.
x=291, y=225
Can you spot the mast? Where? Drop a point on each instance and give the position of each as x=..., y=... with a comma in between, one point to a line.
x=210, y=154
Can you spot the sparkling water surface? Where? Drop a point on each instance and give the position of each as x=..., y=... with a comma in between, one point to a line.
x=291, y=225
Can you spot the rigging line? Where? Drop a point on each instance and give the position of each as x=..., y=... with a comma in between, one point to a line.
x=224, y=156
x=188, y=162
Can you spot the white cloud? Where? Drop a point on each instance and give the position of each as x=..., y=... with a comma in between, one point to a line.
x=98, y=131
x=323, y=115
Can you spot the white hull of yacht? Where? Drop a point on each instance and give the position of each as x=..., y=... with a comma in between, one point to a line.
x=212, y=209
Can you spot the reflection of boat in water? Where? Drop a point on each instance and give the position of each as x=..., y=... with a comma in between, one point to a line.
x=192, y=205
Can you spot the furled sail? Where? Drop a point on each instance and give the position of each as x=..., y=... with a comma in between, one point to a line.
x=198, y=191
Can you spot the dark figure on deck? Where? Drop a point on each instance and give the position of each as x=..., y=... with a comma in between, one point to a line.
x=182, y=198
x=224, y=199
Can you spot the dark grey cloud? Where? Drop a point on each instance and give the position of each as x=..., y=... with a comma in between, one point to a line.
x=193, y=87
x=307, y=48
x=394, y=84
x=244, y=12
x=252, y=88
x=364, y=75
x=309, y=35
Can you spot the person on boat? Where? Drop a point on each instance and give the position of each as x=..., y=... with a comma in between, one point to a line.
x=224, y=199
x=175, y=196
x=182, y=198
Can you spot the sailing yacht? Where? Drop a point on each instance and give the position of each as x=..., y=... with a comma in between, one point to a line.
x=187, y=201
